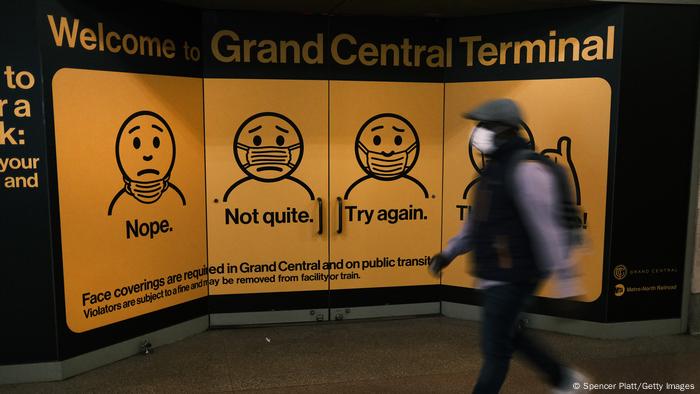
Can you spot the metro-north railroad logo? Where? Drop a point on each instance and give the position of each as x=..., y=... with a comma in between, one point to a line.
x=619, y=290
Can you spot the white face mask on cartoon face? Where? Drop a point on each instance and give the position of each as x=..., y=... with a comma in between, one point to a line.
x=387, y=166
x=483, y=140
x=146, y=192
x=268, y=155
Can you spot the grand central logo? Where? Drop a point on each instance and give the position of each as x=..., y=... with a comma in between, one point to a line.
x=620, y=272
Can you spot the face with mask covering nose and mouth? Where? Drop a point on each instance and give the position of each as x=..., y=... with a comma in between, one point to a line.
x=145, y=155
x=486, y=137
x=387, y=146
x=268, y=146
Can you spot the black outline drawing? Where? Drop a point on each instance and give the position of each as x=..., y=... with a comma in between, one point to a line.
x=127, y=180
x=531, y=144
x=250, y=175
x=406, y=170
x=570, y=162
x=556, y=151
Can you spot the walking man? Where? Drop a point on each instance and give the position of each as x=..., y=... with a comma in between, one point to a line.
x=518, y=240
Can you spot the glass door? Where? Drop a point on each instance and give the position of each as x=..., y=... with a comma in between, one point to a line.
x=267, y=185
x=386, y=180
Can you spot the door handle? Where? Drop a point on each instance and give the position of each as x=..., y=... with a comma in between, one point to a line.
x=320, y=215
x=340, y=215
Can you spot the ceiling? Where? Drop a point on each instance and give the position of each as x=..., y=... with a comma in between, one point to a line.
x=430, y=8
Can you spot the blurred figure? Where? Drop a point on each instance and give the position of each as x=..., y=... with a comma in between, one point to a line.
x=518, y=238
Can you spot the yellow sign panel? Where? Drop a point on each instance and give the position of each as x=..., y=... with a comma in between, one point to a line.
x=129, y=151
x=386, y=149
x=569, y=121
x=267, y=182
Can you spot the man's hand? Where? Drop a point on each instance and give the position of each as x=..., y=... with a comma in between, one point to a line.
x=437, y=263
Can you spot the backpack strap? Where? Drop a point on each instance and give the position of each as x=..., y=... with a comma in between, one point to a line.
x=512, y=163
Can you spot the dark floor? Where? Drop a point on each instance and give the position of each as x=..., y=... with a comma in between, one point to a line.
x=423, y=355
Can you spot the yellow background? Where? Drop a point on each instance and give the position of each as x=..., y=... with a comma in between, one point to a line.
x=578, y=108
x=89, y=108
x=229, y=103
x=353, y=103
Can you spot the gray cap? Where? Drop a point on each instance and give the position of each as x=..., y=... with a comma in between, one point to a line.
x=501, y=110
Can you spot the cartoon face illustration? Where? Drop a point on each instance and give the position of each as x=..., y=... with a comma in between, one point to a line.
x=145, y=147
x=387, y=146
x=268, y=146
x=145, y=155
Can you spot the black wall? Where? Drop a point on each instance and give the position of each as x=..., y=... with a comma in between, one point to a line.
x=651, y=184
x=27, y=303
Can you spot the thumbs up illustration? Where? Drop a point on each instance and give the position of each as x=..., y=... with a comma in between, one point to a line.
x=562, y=156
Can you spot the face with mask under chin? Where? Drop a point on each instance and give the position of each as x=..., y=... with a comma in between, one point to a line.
x=268, y=146
x=387, y=146
x=145, y=154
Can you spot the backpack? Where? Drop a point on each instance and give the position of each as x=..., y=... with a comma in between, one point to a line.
x=569, y=212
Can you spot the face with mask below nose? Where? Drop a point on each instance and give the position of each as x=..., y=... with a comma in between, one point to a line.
x=268, y=146
x=145, y=155
x=387, y=146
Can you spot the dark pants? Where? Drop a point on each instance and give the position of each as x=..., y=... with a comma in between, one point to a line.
x=502, y=334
